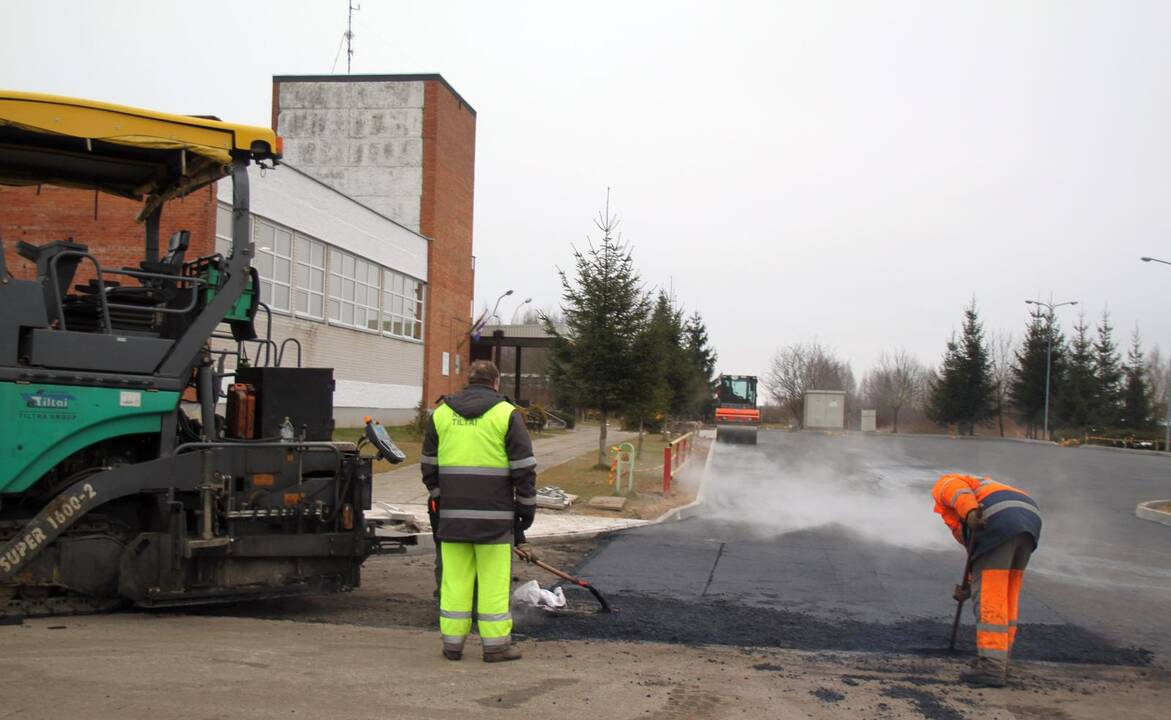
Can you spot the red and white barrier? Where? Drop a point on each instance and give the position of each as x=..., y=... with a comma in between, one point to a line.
x=675, y=456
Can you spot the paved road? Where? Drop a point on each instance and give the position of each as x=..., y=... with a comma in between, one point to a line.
x=840, y=531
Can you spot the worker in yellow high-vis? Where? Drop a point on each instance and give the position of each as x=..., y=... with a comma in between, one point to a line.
x=479, y=468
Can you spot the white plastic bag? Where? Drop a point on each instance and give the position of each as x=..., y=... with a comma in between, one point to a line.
x=533, y=595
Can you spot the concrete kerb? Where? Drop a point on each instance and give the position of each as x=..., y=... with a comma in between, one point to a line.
x=1129, y=451
x=426, y=543
x=989, y=438
x=1147, y=511
x=940, y=436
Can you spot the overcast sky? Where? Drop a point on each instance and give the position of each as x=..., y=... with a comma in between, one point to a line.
x=854, y=172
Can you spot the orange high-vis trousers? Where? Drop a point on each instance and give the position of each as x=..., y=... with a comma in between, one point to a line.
x=997, y=577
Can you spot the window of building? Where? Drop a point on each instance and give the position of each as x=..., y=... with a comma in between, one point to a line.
x=310, y=289
x=274, y=261
x=353, y=290
x=223, y=230
x=402, y=305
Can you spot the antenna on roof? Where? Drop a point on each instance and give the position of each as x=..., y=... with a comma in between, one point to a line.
x=350, y=33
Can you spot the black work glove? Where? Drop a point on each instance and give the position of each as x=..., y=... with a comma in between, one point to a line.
x=518, y=536
x=527, y=552
x=433, y=514
x=525, y=515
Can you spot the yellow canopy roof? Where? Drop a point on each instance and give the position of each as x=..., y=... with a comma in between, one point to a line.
x=48, y=139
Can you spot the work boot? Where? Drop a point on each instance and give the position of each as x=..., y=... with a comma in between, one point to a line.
x=987, y=673
x=502, y=653
x=452, y=651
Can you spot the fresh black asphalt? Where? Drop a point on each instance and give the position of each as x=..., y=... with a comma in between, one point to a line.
x=819, y=541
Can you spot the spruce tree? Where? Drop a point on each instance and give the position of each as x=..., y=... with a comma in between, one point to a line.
x=659, y=352
x=965, y=391
x=595, y=360
x=944, y=391
x=1137, y=402
x=682, y=375
x=703, y=359
x=1079, y=389
x=1044, y=345
x=978, y=389
x=1108, y=372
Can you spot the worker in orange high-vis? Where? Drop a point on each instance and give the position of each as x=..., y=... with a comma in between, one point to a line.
x=1000, y=525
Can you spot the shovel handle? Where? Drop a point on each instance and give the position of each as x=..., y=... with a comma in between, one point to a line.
x=955, y=626
x=569, y=578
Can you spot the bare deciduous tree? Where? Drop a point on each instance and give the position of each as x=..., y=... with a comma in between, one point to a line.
x=1003, y=351
x=897, y=381
x=800, y=367
x=1159, y=376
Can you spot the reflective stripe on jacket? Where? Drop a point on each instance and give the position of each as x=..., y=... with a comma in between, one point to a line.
x=479, y=464
x=1008, y=511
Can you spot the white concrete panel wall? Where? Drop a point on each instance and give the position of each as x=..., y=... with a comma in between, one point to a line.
x=364, y=138
x=353, y=394
x=366, y=358
x=291, y=198
x=373, y=374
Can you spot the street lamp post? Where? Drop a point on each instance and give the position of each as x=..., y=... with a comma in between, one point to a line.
x=1048, y=350
x=497, y=305
x=488, y=316
x=518, y=307
x=1167, y=385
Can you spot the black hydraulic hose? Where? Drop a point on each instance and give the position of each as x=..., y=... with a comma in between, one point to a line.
x=248, y=441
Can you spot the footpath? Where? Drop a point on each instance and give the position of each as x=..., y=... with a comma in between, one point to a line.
x=403, y=488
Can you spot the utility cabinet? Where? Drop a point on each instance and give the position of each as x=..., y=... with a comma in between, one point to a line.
x=825, y=410
x=869, y=420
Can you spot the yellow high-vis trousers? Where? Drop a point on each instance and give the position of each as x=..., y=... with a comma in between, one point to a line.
x=466, y=565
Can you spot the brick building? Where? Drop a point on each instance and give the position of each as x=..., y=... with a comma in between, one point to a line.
x=103, y=222
x=379, y=180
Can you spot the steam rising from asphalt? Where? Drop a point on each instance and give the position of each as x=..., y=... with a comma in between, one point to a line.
x=881, y=494
x=781, y=493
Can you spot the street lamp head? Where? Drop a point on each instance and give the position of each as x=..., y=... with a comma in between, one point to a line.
x=1146, y=259
x=507, y=293
x=1031, y=302
x=1073, y=302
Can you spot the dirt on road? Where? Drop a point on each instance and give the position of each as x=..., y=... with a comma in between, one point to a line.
x=374, y=653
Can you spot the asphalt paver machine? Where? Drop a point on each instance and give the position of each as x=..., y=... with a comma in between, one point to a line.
x=737, y=417
x=125, y=477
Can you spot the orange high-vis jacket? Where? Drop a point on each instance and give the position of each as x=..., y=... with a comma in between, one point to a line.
x=957, y=495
